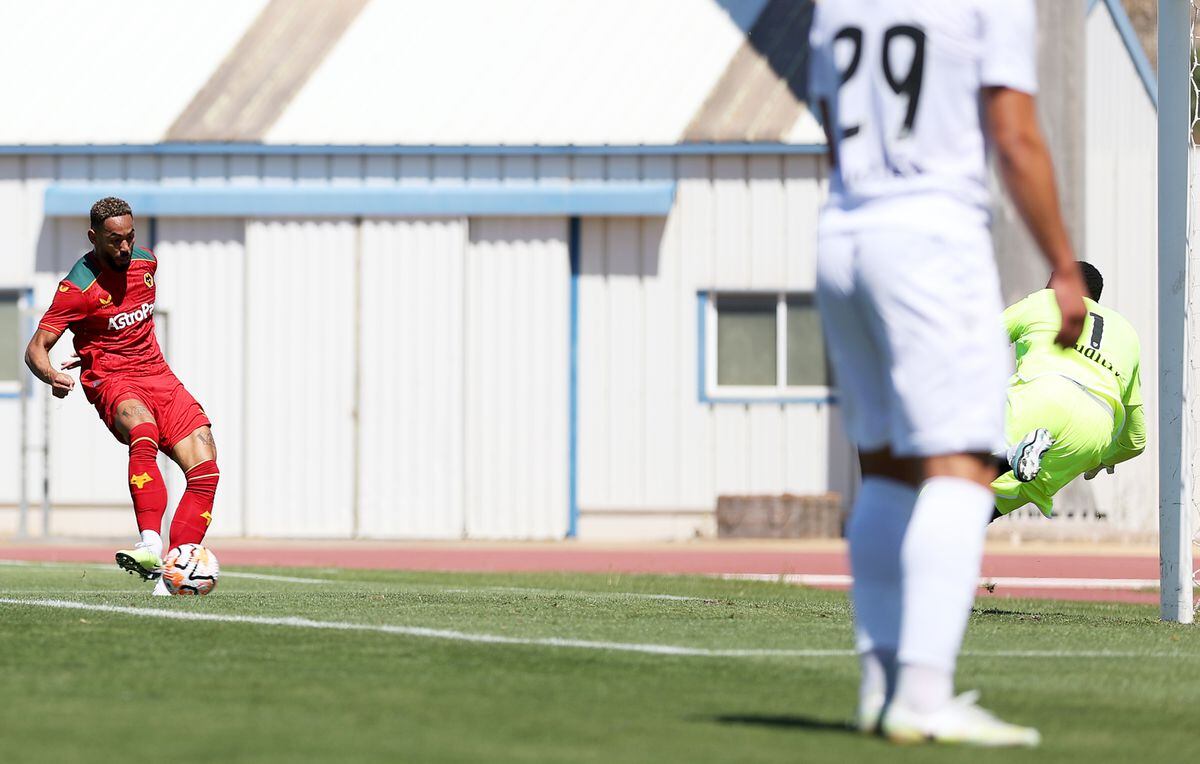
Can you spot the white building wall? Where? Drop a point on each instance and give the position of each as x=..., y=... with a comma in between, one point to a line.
x=300, y=373
x=517, y=288
x=1121, y=224
x=652, y=457
x=411, y=424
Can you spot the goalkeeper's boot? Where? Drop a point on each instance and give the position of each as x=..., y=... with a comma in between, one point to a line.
x=142, y=561
x=870, y=710
x=1026, y=457
x=960, y=721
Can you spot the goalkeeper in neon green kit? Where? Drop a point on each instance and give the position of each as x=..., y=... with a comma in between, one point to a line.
x=1081, y=406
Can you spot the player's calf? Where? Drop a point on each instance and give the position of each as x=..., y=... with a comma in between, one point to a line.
x=194, y=513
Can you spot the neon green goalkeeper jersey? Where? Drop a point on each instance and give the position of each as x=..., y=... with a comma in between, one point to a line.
x=1105, y=361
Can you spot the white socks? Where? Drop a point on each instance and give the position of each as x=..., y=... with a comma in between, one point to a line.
x=940, y=557
x=152, y=540
x=915, y=559
x=881, y=516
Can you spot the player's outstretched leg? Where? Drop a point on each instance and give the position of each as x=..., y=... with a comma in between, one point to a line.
x=1025, y=458
x=194, y=513
x=149, y=494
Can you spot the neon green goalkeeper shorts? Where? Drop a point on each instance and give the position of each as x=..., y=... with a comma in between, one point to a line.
x=1082, y=428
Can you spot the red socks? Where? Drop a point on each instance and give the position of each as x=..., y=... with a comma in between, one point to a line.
x=146, y=485
x=194, y=513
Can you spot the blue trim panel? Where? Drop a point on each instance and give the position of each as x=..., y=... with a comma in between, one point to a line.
x=702, y=299
x=494, y=199
x=1132, y=45
x=702, y=395
x=259, y=149
x=574, y=253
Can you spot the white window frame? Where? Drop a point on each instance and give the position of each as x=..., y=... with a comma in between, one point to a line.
x=780, y=392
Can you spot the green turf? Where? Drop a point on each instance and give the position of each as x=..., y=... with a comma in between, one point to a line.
x=93, y=686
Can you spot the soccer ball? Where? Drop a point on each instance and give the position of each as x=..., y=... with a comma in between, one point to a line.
x=190, y=569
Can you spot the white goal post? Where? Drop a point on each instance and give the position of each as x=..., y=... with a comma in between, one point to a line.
x=1179, y=297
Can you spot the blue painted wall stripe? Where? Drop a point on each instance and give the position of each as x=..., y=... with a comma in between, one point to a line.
x=574, y=253
x=493, y=199
x=702, y=346
x=259, y=149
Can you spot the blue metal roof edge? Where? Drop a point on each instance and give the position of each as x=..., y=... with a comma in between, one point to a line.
x=260, y=149
x=653, y=198
x=1133, y=45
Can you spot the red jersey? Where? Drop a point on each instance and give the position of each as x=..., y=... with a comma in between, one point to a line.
x=111, y=314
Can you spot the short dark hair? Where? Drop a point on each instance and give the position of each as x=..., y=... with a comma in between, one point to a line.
x=108, y=207
x=1093, y=279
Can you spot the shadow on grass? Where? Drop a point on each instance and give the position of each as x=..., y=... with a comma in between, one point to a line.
x=786, y=722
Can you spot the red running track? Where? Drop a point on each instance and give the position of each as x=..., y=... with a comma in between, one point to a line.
x=706, y=559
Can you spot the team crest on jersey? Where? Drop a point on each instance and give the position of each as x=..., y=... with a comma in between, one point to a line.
x=149, y=280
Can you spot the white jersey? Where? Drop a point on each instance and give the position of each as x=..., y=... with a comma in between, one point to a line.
x=902, y=80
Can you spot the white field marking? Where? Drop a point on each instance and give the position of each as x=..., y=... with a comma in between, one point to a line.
x=421, y=631
x=224, y=573
x=820, y=579
x=583, y=644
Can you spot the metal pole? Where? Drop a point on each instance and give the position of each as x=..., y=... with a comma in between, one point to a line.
x=23, y=438
x=47, y=397
x=1175, y=420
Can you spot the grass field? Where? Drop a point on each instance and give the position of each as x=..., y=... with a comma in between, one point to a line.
x=766, y=676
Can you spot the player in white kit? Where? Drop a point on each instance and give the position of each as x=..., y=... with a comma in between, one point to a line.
x=912, y=92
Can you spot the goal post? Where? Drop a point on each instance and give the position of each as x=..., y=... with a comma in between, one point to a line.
x=1178, y=282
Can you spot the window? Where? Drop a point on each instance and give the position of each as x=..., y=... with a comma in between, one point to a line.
x=763, y=346
x=11, y=341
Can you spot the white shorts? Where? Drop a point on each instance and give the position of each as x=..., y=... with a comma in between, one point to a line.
x=915, y=334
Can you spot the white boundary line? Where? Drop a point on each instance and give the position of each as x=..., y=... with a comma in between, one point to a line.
x=583, y=644
x=841, y=579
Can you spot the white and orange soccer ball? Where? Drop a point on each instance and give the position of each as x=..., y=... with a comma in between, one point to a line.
x=190, y=569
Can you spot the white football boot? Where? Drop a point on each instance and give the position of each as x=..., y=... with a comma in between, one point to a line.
x=959, y=721
x=1025, y=458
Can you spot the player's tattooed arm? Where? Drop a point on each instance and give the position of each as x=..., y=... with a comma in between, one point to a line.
x=206, y=438
x=37, y=358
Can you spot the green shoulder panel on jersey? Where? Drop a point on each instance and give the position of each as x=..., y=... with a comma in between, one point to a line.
x=82, y=274
x=144, y=254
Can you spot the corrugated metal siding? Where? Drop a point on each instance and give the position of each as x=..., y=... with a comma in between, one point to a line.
x=299, y=420
x=200, y=292
x=411, y=412
x=1121, y=220
x=646, y=441
x=517, y=279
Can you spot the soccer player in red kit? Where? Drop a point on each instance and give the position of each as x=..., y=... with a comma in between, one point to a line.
x=107, y=301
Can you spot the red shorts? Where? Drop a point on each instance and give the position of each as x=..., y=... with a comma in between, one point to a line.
x=174, y=409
